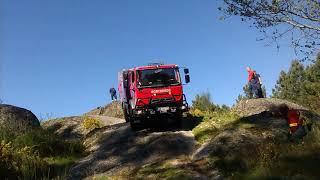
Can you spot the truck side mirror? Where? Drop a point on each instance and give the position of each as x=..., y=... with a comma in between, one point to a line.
x=187, y=78
x=186, y=71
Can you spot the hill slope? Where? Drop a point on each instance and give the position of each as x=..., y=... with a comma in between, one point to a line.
x=248, y=142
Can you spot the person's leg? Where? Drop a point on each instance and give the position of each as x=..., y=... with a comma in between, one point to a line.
x=255, y=91
x=250, y=90
x=260, y=93
x=112, y=97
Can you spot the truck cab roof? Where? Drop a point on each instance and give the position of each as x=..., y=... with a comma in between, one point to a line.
x=155, y=66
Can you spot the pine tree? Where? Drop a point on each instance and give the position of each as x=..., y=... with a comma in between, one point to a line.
x=290, y=85
x=203, y=102
x=300, y=85
x=312, y=86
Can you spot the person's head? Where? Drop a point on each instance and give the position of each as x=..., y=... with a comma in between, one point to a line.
x=283, y=110
x=248, y=68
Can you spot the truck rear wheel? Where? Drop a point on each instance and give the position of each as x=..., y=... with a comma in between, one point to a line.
x=125, y=113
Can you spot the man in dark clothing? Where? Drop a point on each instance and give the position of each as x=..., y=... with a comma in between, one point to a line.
x=259, y=85
x=250, y=77
x=254, y=82
x=113, y=94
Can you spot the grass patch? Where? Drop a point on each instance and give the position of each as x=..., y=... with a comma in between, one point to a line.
x=37, y=154
x=272, y=159
x=163, y=171
x=211, y=123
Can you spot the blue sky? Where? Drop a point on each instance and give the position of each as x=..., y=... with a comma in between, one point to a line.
x=61, y=57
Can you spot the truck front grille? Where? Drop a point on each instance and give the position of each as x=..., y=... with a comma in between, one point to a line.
x=160, y=101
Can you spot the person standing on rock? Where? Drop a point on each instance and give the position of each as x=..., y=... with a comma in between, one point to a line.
x=113, y=94
x=258, y=82
x=252, y=83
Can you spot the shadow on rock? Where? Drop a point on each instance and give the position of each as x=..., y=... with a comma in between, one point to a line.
x=166, y=124
x=120, y=147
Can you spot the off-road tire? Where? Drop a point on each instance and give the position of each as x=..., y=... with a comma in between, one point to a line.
x=125, y=114
x=135, y=126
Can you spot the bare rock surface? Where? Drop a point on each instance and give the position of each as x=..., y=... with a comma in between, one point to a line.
x=112, y=110
x=121, y=148
x=256, y=106
x=16, y=119
x=72, y=127
x=243, y=136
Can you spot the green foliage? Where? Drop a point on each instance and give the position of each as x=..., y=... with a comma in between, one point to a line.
x=300, y=85
x=30, y=155
x=296, y=20
x=203, y=102
x=20, y=162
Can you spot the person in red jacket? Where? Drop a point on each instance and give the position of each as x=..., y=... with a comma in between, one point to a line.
x=295, y=123
x=254, y=83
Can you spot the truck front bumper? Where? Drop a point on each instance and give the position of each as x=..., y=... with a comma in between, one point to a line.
x=160, y=111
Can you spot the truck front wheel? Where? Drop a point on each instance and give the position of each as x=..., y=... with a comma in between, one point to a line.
x=135, y=125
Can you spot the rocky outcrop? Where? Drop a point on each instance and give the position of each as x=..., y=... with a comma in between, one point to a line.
x=67, y=128
x=113, y=109
x=251, y=107
x=257, y=126
x=17, y=120
x=70, y=128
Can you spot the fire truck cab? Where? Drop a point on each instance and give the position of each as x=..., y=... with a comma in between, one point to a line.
x=153, y=90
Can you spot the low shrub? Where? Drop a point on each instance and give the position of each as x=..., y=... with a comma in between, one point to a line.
x=32, y=155
x=90, y=123
x=23, y=162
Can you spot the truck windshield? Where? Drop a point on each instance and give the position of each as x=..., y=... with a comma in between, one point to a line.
x=158, y=77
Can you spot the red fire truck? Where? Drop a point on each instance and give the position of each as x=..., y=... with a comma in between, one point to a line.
x=153, y=90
